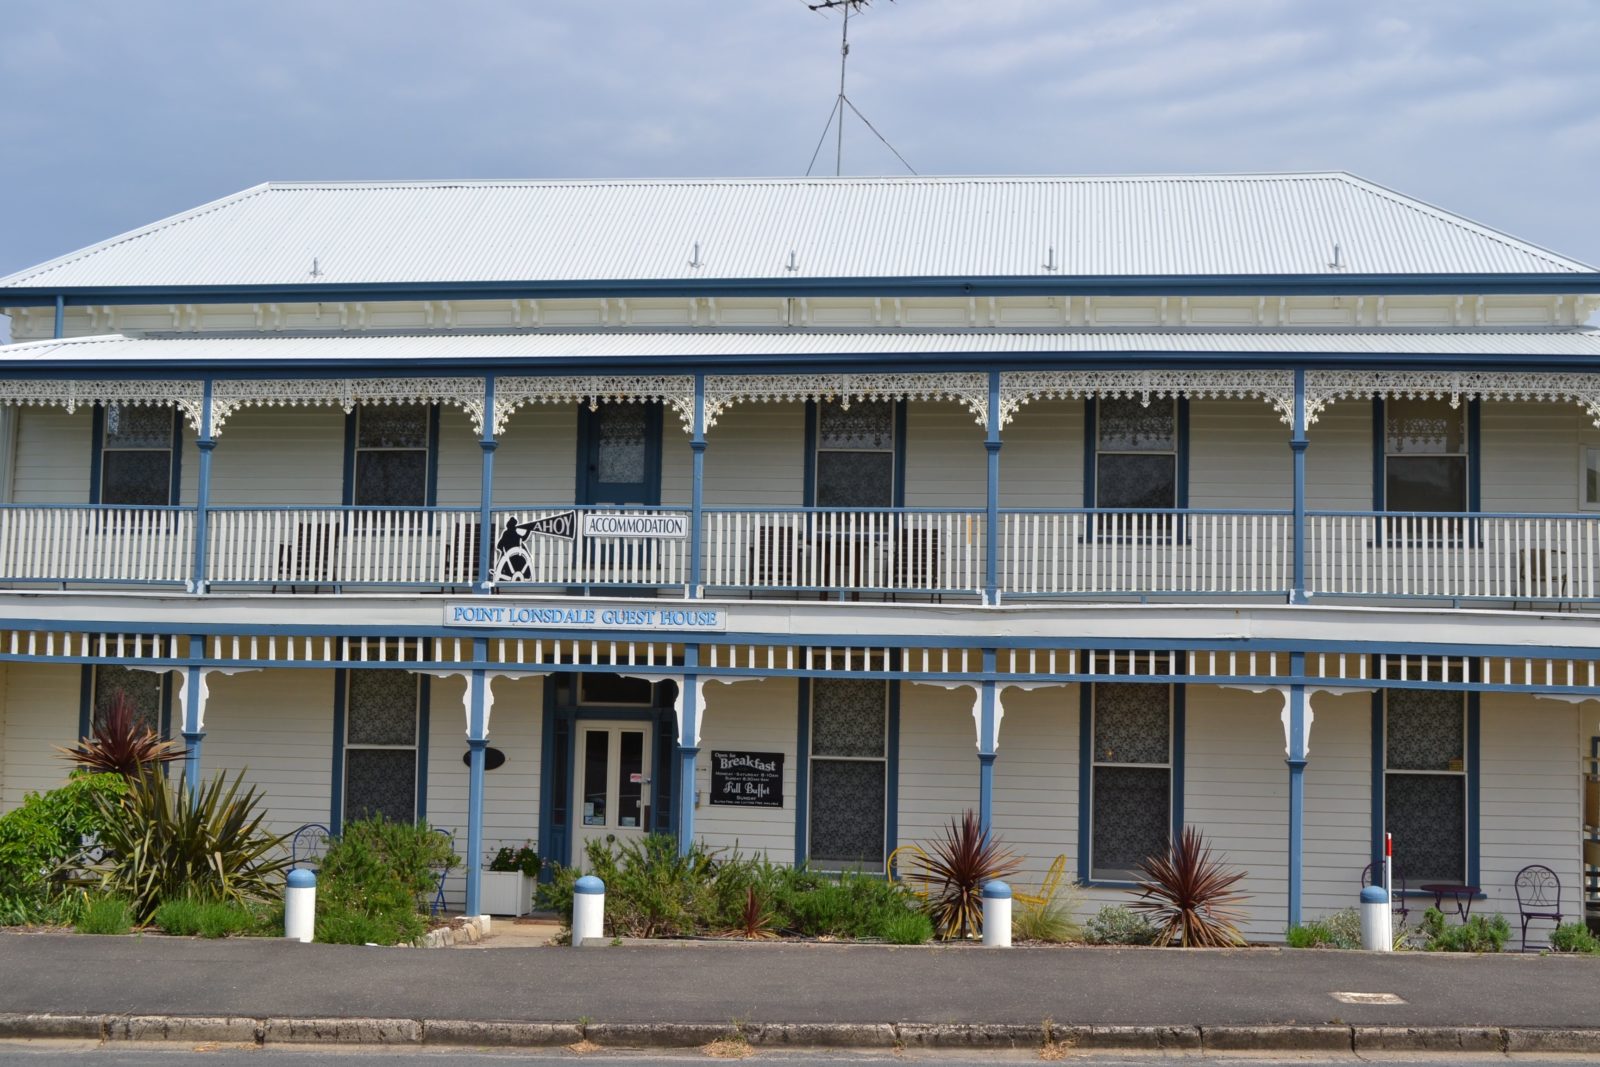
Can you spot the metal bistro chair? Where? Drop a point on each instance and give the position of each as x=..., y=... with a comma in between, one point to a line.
x=1538, y=896
x=308, y=845
x=436, y=908
x=1370, y=875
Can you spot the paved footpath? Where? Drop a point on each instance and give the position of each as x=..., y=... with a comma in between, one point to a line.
x=626, y=990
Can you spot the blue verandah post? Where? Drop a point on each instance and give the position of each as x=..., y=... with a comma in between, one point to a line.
x=1298, y=444
x=206, y=443
x=987, y=746
x=688, y=748
x=1297, y=785
x=193, y=718
x=486, y=533
x=697, y=445
x=477, y=743
x=991, y=540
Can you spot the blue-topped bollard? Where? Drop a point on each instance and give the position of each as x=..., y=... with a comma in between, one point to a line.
x=588, y=911
x=996, y=915
x=300, y=906
x=1377, y=920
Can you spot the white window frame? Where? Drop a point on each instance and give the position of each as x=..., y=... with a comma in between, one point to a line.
x=1465, y=455
x=889, y=449
x=1466, y=786
x=1095, y=763
x=426, y=448
x=174, y=442
x=811, y=761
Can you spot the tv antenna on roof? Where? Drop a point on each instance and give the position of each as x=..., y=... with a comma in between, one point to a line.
x=842, y=101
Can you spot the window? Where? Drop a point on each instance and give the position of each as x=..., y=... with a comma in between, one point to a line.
x=849, y=772
x=391, y=455
x=855, y=454
x=136, y=455
x=382, y=725
x=146, y=692
x=1136, y=454
x=1424, y=456
x=1425, y=783
x=1131, y=788
x=1589, y=478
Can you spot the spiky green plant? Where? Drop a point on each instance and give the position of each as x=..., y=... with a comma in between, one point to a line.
x=1190, y=895
x=953, y=872
x=120, y=743
x=167, y=841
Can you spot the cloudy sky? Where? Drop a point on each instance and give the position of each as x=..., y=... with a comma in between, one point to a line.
x=120, y=113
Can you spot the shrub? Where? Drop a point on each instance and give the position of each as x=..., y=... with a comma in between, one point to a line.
x=524, y=859
x=39, y=839
x=376, y=879
x=105, y=915
x=121, y=743
x=1115, y=924
x=164, y=842
x=849, y=905
x=209, y=918
x=1342, y=929
x=1477, y=934
x=953, y=872
x=180, y=918
x=1190, y=896
x=910, y=928
x=651, y=891
x=1574, y=937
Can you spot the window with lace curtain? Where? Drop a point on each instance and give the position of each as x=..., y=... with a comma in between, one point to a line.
x=1136, y=453
x=1424, y=455
x=382, y=724
x=848, y=772
x=855, y=454
x=391, y=460
x=1131, y=784
x=137, y=446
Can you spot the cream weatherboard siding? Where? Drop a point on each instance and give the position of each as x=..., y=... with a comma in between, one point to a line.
x=1338, y=828
x=755, y=716
x=537, y=458
x=755, y=458
x=946, y=465
x=1531, y=456
x=460, y=460
x=41, y=712
x=52, y=456
x=938, y=760
x=278, y=457
x=1036, y=779
x=1041, y=456
x=1339, y=459
x=1238, y=456
x=276, y=728
x=511, y=791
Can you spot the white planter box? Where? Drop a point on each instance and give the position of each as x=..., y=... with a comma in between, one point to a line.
x=506, y=893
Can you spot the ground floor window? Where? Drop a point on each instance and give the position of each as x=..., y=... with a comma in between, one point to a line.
x=1425, y=783
x=1131, y=783
x=145, y=692
x=382, y=728
x=849, y=772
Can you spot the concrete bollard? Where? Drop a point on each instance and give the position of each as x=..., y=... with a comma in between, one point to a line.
x=996, y=915
x=1377, y=920
x=300, y=906
x=588, y=911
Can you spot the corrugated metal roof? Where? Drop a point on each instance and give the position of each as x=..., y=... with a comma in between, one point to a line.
x=533, y=231
x=629, y=346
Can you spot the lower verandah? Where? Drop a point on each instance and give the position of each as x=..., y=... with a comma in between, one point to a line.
x=1227, y=753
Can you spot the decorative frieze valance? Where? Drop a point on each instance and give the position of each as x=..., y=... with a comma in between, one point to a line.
x=1323, y=387
x=229, y=395
x=674, y=390
x=70, y=393
x=725, y=390
x=1021, y=387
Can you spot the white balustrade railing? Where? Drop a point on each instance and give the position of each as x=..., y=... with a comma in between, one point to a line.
x=527, y=551
x=1155, y=553
x=882, y=549
x=299, y=547
x=96, y=544
x=1464, y=557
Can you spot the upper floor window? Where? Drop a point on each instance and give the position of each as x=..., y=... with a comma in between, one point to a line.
x=1424, y=456
x=855, y=454
x=1136, y=454
x=1589, y=478
x=391, y=455
x=137, y=446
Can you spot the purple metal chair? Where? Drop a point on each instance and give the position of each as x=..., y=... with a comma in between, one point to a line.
x=1538, y=896
x=1370, y=875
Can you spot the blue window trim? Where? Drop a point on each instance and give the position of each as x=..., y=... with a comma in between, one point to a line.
x=1091, y=452
x=1473, y=783
x=802, y=776
x=430, y=491
x=584, y=486
x=897, y=493
x=1180, y=720
x=97, y=447
x=341, y=689
x=1380, y=451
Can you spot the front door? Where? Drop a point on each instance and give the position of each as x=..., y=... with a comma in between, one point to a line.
x=611, y=790
x=620, y=454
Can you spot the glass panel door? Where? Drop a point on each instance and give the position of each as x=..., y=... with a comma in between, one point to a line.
x=611, y=800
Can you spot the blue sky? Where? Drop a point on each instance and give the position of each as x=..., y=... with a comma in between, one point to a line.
x=122, y=113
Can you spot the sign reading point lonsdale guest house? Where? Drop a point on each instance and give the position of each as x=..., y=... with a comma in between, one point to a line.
x=576, y=614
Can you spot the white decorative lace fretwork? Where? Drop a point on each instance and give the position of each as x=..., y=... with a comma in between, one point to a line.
x=229, y=395
x=187, y=396
x=1017, y=388
x=1323, y=387
x=674, y=390
x=725, y=390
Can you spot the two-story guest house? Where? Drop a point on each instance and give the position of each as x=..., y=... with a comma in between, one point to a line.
x=800, y=516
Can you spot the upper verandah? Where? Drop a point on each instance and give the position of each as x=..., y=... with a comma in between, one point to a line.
x=1154, y=235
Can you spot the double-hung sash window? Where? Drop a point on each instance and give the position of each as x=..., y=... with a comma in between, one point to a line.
x=1131, y=787
x=849, y=772
x=1424, y=456
x=382, y=724
x=137, y=446
x=855, y=454
x=1589, y=478
x=1136, y=454
x=145, y=692
x=1425, y=783
x=391, y=455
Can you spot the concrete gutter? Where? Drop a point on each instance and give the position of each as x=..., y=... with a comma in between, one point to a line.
x=445, y=1033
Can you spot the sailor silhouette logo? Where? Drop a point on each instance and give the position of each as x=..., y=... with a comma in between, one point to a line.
x=512, y=561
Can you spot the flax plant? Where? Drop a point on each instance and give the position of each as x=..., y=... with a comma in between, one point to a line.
x=1190, y=895
x=953, y=873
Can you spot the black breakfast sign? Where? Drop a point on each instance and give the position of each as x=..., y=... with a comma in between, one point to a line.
x=747, y=779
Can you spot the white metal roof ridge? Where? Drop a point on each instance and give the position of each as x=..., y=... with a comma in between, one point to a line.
x=888, y=227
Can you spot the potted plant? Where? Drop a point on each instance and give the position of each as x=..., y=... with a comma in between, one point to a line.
x=509, y=879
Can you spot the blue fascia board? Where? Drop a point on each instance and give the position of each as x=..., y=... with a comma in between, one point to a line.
x=1541, y=282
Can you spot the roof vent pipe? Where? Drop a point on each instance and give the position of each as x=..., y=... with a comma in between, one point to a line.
x=1050, y=262
x=1338, y=260
x=794, y=264
x=694, y=260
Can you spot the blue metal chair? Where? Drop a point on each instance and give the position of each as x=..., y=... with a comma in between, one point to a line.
x=436, y=908
x=309, y=844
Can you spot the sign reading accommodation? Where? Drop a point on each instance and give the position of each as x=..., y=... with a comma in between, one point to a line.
x=612, y=524
x=747, y=779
